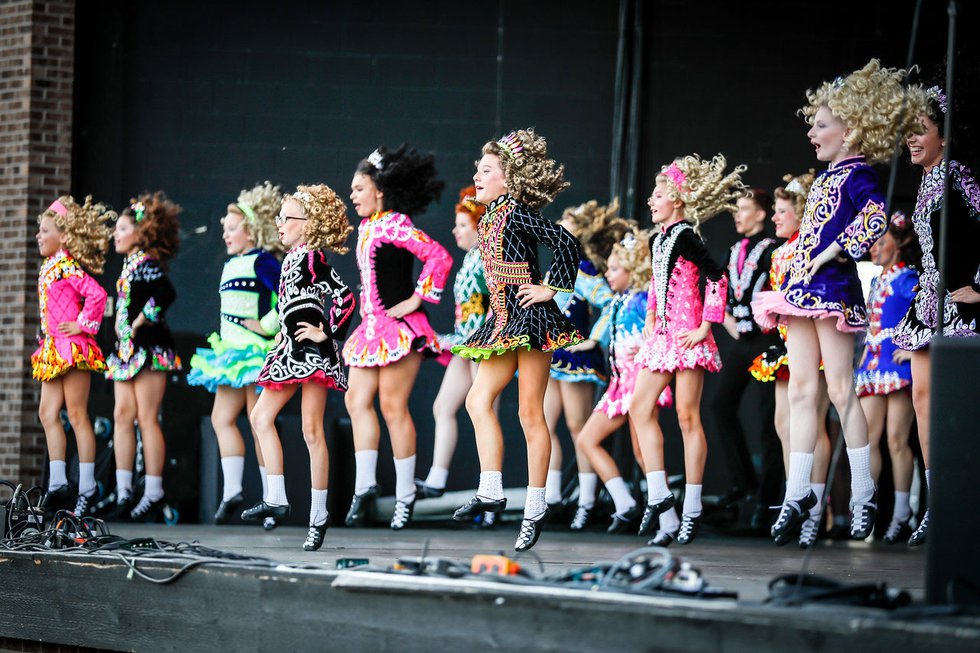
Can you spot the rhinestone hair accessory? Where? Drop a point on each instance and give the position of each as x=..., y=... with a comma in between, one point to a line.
x=512, y=146
x=838, y=82
x=375, y=159
x=629, y=241
x=899, y=220
x=794, y=187
x=675, y=175
x=138, y=210
x=58, y=208
x=936, y=93
x=302, y=196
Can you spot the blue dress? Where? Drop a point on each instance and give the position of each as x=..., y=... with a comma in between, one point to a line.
x=891, y=295
x=591, y=289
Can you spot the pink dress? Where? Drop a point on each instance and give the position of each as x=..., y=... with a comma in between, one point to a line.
x=66, y=293
x=387, y=246
x=679, y=257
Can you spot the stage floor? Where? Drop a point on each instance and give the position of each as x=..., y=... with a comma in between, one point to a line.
x=741, y=564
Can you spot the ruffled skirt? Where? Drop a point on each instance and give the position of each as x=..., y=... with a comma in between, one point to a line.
x=539, y=326
x=662, y=353
x=380, y=340
x=56, y=356
x=226, y=365
x=579, y=366
x=156, y=359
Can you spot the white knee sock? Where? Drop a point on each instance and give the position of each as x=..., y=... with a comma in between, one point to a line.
x=669, y=523
x=927, y=479
x=692, y=500
x=620, y=494
x=437, y=477
x=862, y=485
x=798, y=480
x=902, y=508
x=535, y=504
x=86, y=478
x=153, y=488
x=818, y=489
x=277, y=491
x=552, y=486
x=124, y=482
x=265, y=480
x=586, y=489
x=657, y=489
x=365, y=470
x=56, y=474
x=318, y=507
x=405, y=479
x=491, y=486
x=232, y=468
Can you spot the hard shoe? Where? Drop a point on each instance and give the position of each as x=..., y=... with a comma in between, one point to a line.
x=314, y=537
x=402, y=515
x=263, y=509
x=84, y=504
x=651, y=514
x=689, y=529
x=228, y=509
x=623, y=522
x=361, y=505
x=792, y=514
x=809, y=531
x=478, y=505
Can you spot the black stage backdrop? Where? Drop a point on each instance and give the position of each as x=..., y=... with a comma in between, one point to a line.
x=204, y=99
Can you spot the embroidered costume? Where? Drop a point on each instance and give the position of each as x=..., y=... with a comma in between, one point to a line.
x=844, y=205
x=678, y=256
x=66, y=293
x=142, y=288
x=470, y=295
x=509, y=234
x=248, y=291
x=773, y=363
x=310, y=291
x=889, y=300
x=387, y=245
x=915, y=331
x=748, y=270
x=591, y=289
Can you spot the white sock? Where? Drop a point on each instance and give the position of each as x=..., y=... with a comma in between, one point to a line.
x=927, y=479
x=153, y=488
x=586, y=489
x=818, y=489
x=265, y=480
x=798, y=480
x=318, y=507
x=437, y=477
x=535, y=503
x=232, y=468
x=692, y=500
x=902, y=508
x=620, y=494
x=56, y=474
x=552, y=487
x=124, y=482
x=366, y=466
x=862, y=485
x=86, y=478
x=277, y=491
x=405, y=479
x=491, y=486
x=669, y=523
x=657, y=489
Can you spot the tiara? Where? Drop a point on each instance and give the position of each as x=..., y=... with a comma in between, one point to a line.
x=675, y=175
x=248, y=211
x=795, y=187
x=629, y=241
x=511, y=146
x=838, y=82
x=375, y=159
x=302, y=196
x=936, y=93
x=138, y=210
x=898, y=220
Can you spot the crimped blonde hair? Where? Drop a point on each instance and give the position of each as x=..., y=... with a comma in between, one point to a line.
x=86, y=232
x=264, y=201
x=531, y=177
x=597, y=228
x=796, y=190
x=707, y=190
x=872, y=102
x=327, y=226
x=634, y=253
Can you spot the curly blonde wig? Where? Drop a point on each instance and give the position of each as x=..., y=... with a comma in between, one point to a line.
x=796, y=190
x=703, y=186
x=84, y=227
x=872, y=102
x=157, y=225
x=531, y=177
x=259, y=207
x=597, y=228
x=634, y=254
x=327, y=226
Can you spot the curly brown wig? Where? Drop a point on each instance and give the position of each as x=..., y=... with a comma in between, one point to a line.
x=327, y=226
x=84, y=227
x=531, y=177
x=157, y=225
x=259, y=207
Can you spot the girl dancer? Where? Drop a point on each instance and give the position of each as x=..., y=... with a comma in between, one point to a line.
x=515, y=178
x=73, y=239
x=620, y=328
x=577, y=370
x=961, y=306
x=885, y=374
x=249, y=322
x=854, y=120
x=147, y=233
x=315, y=308
x=678, y=342
x=773, y=364
x=470, y=294
x=386, y=348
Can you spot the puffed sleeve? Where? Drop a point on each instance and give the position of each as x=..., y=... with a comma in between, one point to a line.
x=870, y=222
x=93, y=302
x=162, y=293
x=267, y=271
x=690, y=246
x=567, y=252
x=338, y=299
x=436, y=261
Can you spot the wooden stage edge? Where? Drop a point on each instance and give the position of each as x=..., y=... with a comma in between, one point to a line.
x=95, y=600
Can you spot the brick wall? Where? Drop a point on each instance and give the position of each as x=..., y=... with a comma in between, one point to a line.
x=37, y=41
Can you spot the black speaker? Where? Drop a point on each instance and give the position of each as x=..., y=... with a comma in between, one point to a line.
x=952, y=565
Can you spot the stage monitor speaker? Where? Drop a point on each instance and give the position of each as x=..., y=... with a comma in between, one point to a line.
x=952, y=564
